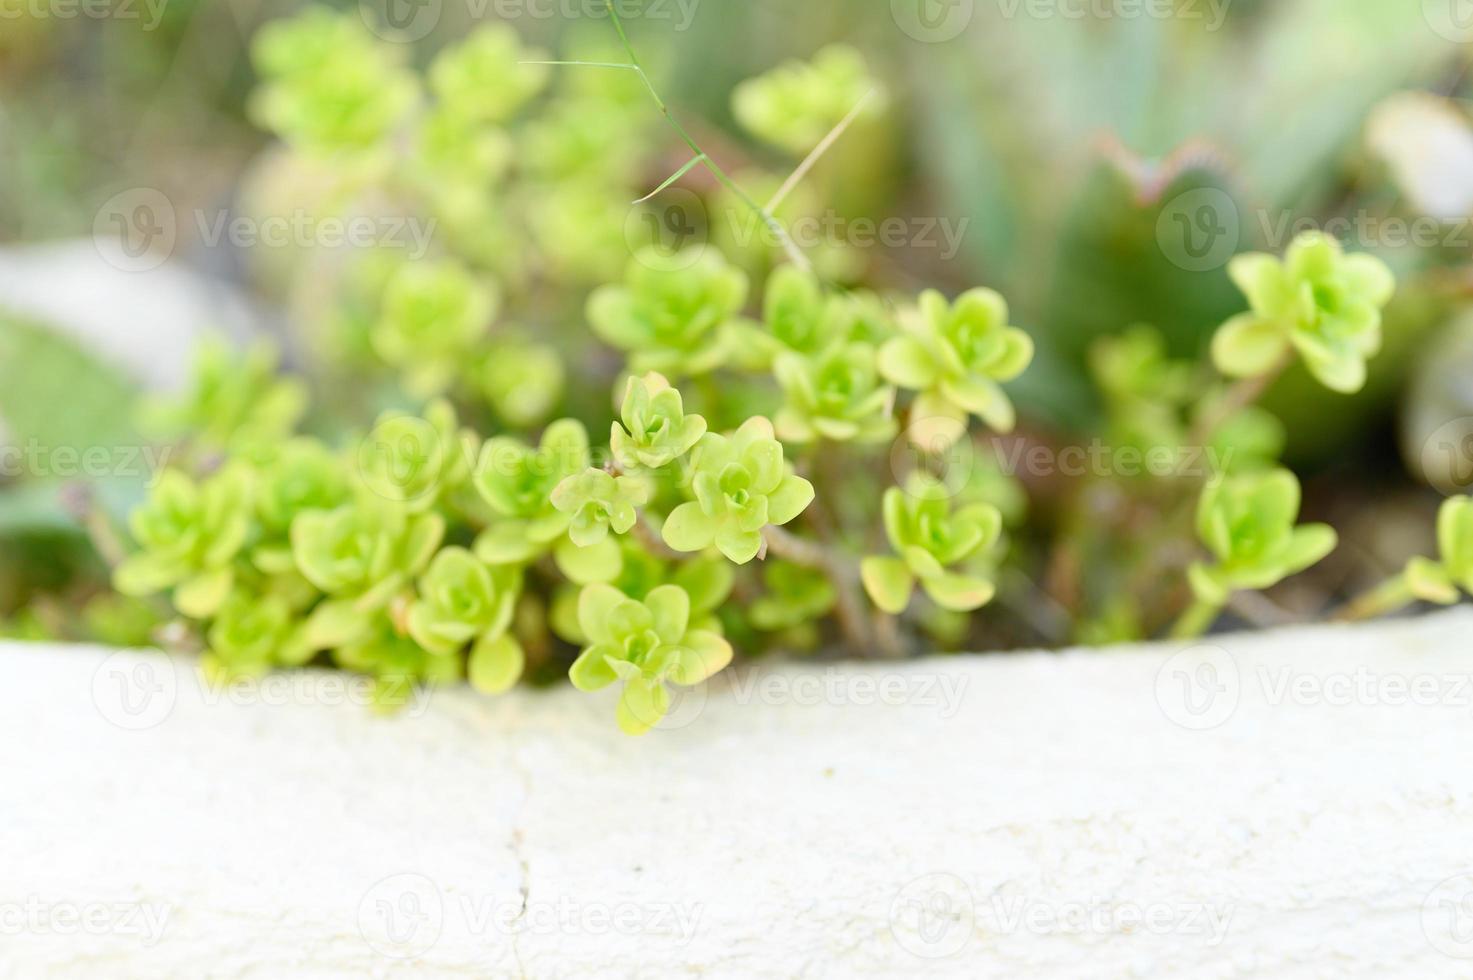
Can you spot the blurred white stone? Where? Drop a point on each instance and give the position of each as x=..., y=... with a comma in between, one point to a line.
x=1293, y=804
x=145, y=318
x=1428, y=143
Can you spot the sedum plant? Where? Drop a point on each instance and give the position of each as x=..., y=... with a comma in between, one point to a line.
x=1248, y=522
x=1438, y=581
x=741, y=485
x=956, y=354
x=770, y=434
x=644, y=644
x=1316, y=301
x=933, y=544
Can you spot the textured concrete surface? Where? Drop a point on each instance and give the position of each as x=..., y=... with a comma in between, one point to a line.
x=1297, y=804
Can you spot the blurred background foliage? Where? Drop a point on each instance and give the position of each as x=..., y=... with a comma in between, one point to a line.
x=1063, y=142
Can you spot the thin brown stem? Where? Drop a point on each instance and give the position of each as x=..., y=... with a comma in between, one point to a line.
x=1240, y=395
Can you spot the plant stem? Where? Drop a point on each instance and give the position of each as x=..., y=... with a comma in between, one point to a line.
x=789, y=247
x=1196, y=620
x=1240, y=395
x=650, y=538
x=1388, y=597
x=849, y=607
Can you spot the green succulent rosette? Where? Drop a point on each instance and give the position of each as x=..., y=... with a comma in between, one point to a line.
x=797, y=104
x=741, y=485
x=433, y=316
x=835, y=395
x=463, y=601
x=934, y=545
x=233, y=401
x=330, y=87
x=644, y=644
x=653, y=429
x=957, y=355
x=189, y=535
x=416, y=461
x=672, y=314
x=517, y=481
x=599, y=502
x=250, y=636
x=1248, y=522
x=488, y=76
x=398, y=664
x=361, y=554
x=521, y=380
x=1439, y=581
x=1318, y=301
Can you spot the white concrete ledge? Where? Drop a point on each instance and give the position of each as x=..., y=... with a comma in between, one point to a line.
x=1290, y=805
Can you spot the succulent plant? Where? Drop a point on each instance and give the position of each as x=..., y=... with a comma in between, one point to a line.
x=644, y=644
x=1316, y=300
x=516, y=481
x=671, y=315
x=655, y=430
x=741, y=485
x=956, y=355
x=189, y=535
x=933, y=543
